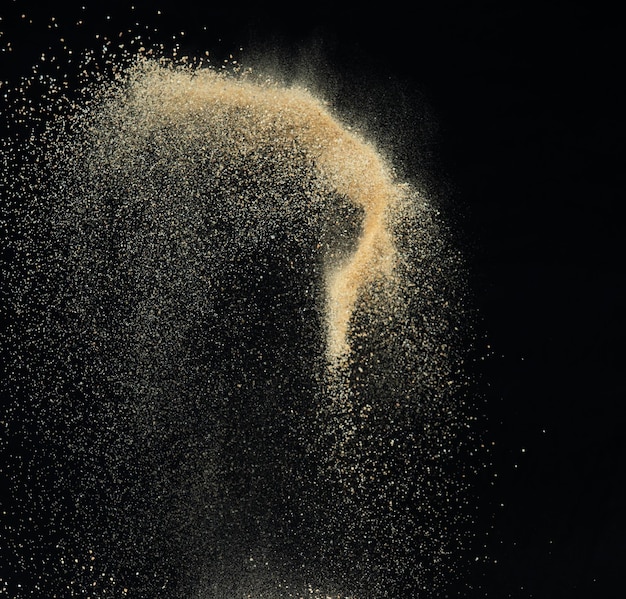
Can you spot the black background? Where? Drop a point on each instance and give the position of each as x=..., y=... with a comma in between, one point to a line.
x=522, y=131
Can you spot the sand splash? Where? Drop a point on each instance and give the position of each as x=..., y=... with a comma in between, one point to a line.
x=234, y=334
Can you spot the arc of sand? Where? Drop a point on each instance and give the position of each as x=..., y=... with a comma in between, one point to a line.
x=348, y=163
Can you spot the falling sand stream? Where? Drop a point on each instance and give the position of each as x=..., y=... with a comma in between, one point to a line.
x=234, y=338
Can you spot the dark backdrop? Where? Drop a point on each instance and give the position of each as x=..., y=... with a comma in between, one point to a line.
x=521, y=112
